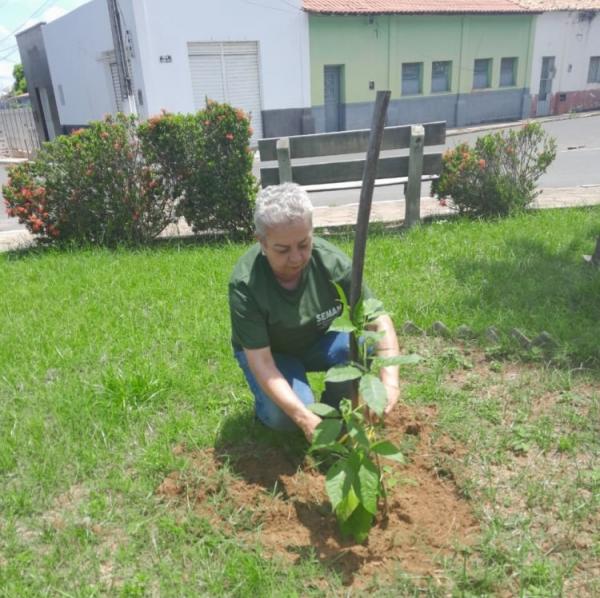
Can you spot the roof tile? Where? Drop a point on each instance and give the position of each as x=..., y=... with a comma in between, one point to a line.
x=548, y=5
x=412, y=6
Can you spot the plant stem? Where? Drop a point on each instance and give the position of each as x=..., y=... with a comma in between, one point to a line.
x=383, y=488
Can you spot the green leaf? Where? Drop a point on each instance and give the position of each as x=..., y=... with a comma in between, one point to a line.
x=373, y=308
x=347, y=505
x=358, y=524
x=342, y=373
x=357, y=433
x=342, y=324
x=337, y=482
x=326, y=432
x=386, y=449
x=324, y=410
x=358, y=315
x=367, y=485
x=342, y=297
x=337, y=447
x=411, y=359
x=373, y=393
x=346, y=409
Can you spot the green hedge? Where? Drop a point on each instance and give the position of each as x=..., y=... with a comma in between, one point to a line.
x=123, y=182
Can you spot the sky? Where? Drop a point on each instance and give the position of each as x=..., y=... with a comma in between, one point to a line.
x=17, y=15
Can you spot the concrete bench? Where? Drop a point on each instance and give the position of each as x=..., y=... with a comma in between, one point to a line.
x=295, y=157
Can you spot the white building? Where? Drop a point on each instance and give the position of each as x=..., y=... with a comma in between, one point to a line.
x=565, y=73
x=253, y=55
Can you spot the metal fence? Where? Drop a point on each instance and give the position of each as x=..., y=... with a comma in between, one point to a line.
x=18, y=135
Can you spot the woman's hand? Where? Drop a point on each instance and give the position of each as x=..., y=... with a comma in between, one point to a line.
x=393, y=394
x=308, y=423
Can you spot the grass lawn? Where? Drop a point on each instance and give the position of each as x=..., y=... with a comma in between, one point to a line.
x=110, y=362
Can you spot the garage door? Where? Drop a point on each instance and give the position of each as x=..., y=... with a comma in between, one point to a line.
x=227, y=72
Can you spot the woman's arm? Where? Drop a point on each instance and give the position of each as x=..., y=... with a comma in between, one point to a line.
x=277, y=388
x=388, y=347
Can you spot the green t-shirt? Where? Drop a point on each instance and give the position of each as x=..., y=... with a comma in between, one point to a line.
x=265, y=314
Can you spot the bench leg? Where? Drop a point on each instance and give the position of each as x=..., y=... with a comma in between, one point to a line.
x=415, y=172
x=284, y=160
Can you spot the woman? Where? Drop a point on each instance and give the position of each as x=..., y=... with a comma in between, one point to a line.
x=282, y=301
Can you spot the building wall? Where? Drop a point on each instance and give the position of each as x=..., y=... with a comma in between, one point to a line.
x=76, y=44
x=33, y=53
x=374, y=48
x=164, y=28
x=572, y=37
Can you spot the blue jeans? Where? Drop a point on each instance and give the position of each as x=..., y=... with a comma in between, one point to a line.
x=331, y=349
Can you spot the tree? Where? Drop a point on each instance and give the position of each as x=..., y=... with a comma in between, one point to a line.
x=20, y=84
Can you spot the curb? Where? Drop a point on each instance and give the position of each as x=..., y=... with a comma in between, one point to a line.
x=386, y=212
x=11, y=161
x=517, y=123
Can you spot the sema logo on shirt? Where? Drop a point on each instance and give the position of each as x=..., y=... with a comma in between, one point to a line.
x=325, y=318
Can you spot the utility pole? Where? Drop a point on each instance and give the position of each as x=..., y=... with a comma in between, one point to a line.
x=125, y=77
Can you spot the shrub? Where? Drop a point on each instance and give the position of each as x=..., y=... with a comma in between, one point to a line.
x=498, y=175
x=208, y=159
x=93, y=186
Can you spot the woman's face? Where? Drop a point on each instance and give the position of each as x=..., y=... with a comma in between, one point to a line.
x=287, y=248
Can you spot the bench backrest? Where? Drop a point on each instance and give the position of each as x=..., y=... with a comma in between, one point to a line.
x=345, y=142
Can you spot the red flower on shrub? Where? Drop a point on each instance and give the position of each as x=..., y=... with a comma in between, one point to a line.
x=481, y=164
x=153, y=121
x=229, y=136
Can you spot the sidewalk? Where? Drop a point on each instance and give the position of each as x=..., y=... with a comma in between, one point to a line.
x=382, y=211
x=393, y=211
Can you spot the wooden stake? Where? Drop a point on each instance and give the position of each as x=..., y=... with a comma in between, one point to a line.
x=364, y=211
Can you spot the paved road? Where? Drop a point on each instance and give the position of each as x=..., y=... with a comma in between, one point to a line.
x=572, y=168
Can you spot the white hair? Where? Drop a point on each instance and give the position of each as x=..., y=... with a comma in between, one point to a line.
x=281, y=204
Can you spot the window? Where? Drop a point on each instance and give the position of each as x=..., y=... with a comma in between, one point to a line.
x=481, y=73
x=594, y=72
x=440, y=76
x=411, y=78
x=508, y=72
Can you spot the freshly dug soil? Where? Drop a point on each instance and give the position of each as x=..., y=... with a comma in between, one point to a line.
x=280, y=500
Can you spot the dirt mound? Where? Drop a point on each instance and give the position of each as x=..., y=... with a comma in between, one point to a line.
x=249, y=489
